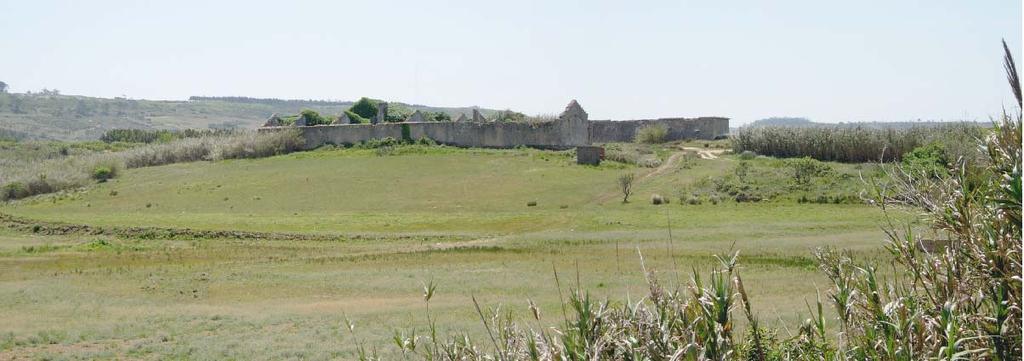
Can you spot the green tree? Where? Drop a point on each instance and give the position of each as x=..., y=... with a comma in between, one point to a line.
x=365, y=108
x=314, y=118
x=929, y=160
x=354, y=118
x=439, y=117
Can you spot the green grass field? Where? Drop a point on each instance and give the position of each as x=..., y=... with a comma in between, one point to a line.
x=385, y=224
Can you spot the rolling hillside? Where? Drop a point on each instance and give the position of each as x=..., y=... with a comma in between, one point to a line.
x=53, y=116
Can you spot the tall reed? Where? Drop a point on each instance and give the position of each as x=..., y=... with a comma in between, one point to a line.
x=853, y=144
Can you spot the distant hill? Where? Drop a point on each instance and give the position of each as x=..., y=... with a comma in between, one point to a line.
x=782, y=122
x=52, y=116
x=804, y=122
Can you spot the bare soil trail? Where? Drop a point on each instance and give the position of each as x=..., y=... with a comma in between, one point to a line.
x=671, y=163
x=704, y=153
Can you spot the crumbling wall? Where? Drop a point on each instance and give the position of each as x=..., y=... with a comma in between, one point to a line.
x=485, y=135
x=607, y=131
x=571, y=129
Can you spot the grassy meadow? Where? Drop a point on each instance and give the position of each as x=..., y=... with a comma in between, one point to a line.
x=354, y=234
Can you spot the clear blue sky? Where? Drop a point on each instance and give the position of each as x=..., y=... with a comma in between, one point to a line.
x=827, y=60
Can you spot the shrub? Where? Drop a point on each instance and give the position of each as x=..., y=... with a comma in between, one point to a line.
x=365, y=108
x=657, y=199
x=438, y=116
x=314, y=118
x=929, y=160
x=378, y=143
x=398, y=114
x=652, y=134
x=13, y=190
x=747, y=197
x=102, y=173
x=806, y=168
x=621, y=156
x=531, y=204
x=426, y=141
x=354, y=118
x=626, y=186
x=384, y=150
x=40, y=185
x=742, y=170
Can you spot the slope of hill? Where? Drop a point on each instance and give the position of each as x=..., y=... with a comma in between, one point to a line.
x=353, y=234
x=70, y=117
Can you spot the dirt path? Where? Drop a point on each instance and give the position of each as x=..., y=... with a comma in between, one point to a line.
x=705, y=153
x=669, y=164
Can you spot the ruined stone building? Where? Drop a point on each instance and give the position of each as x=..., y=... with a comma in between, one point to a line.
x=572, y=128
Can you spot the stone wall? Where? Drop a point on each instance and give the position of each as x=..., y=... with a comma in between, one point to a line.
x=571, y=129
x=607, y=131
x=568, y=131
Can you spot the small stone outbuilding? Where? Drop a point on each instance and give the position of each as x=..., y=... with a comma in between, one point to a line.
x=589, y=155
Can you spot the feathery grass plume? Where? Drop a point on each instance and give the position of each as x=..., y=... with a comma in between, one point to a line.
x=1011, y=73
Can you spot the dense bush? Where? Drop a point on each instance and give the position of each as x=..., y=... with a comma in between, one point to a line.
x=929, y=160
x=103, y=173
x=365, y=108
x=13, y=190
x=856, y=144
x=652, y=134
x=806, y=168
x=354, y=118
x=438, y=116
x=314, y=118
